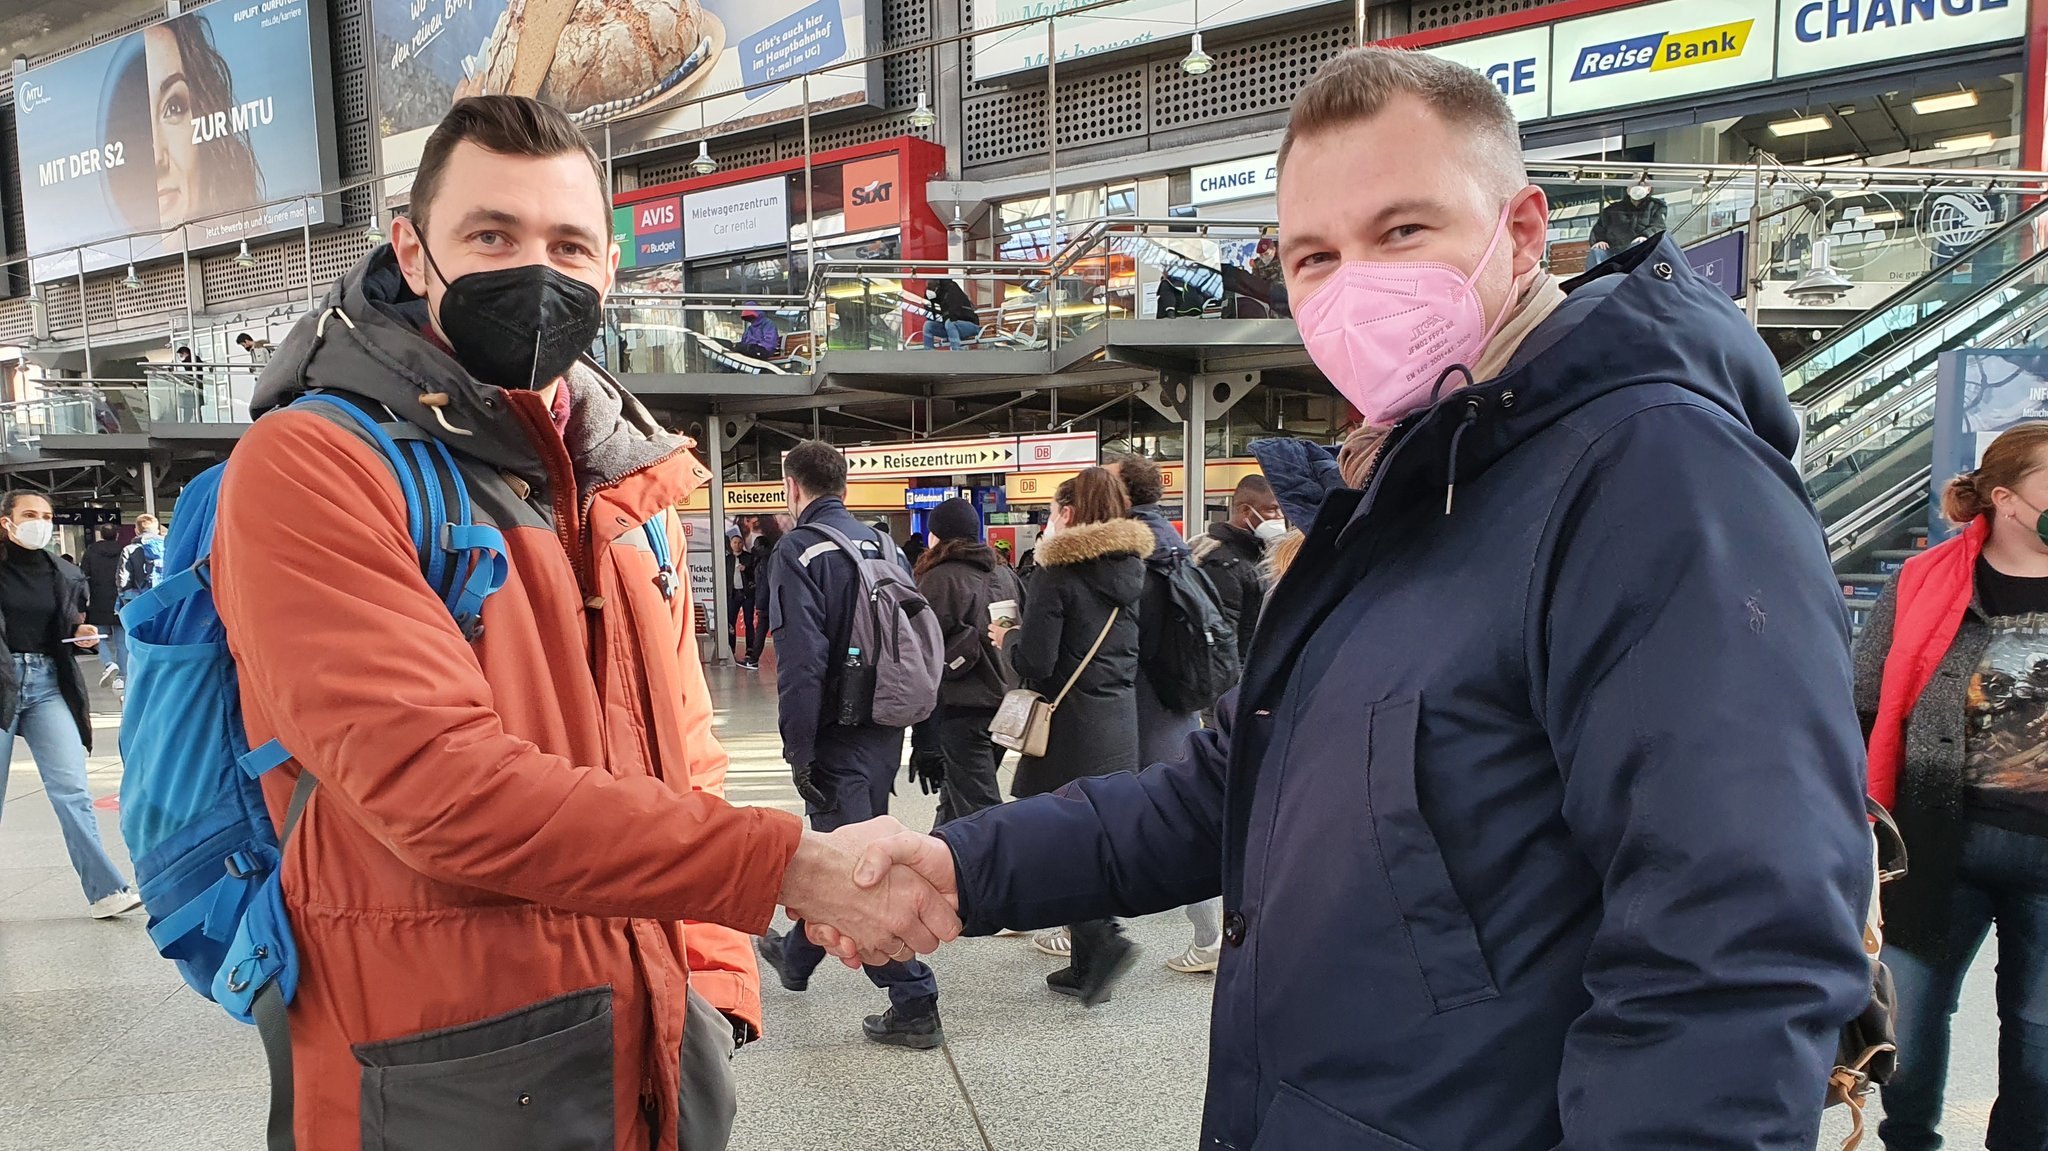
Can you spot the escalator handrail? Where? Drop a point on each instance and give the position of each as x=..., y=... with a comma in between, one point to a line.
x=1902, y=296
x=1907, y=393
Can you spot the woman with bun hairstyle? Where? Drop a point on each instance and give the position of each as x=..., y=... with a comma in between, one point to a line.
x=1952, y=688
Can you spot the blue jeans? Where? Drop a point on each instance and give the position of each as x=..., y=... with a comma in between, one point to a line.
x=114, y=651
x=952, y=331
x=45, y=721
x=2003, y=880
x=912, y=988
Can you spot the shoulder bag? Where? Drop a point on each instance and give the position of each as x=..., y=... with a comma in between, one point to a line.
x=1024, y=722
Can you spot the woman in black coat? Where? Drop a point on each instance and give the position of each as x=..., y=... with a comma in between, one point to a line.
x=960, y=576
x=1091, y=571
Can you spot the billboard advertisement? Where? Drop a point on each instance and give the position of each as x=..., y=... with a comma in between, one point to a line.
x=1659, y=51
x=650, y=233
x=648, y=68
x=180, y=130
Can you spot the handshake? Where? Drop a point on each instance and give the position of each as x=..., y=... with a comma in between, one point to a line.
x=875, y=892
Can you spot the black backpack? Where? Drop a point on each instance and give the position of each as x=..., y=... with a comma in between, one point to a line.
x=1187, y=647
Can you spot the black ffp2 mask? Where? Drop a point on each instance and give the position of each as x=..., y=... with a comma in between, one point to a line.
x=517, y=328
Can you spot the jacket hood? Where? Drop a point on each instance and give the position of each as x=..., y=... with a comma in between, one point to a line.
x=1224, y=535
x=1086, y=542
x=1660, y=325
x=1301, y=472
x=366, y=338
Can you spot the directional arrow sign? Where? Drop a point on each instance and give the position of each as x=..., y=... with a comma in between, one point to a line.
x=949, y=457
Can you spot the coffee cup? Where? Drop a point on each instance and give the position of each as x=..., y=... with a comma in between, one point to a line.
x=1004, y=612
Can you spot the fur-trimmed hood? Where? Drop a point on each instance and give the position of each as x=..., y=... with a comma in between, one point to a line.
x=1086, y=542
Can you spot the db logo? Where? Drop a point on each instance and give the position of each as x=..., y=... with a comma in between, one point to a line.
x=1028, y=486
x=1041, y=451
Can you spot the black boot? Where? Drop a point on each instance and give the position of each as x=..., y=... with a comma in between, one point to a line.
x=769, y=948
x=1065, y=981
x=893, y=1028
x=1101, y=956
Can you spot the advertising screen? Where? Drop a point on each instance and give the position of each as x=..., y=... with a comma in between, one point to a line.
x=182, y=128
x=649, y=68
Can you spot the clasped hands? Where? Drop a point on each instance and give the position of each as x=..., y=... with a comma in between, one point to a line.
x=873, y=893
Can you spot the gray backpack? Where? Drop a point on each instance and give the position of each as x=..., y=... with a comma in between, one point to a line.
x=902, y=651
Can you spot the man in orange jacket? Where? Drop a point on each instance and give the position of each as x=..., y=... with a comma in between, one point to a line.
x=520, y=902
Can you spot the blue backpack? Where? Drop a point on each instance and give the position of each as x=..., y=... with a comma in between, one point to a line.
x=207, y=858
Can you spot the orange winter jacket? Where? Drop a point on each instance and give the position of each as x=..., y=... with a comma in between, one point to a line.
x=517, y=859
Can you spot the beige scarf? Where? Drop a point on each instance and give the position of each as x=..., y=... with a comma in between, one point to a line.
x=1543, y=296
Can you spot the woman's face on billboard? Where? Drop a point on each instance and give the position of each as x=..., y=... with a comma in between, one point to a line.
x=171, y=122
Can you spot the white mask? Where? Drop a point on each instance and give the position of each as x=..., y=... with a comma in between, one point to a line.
x=1639, y=193
x=1270, y=530
x=34, y=534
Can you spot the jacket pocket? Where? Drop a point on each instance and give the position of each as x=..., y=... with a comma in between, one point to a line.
x=707, y=1098
x=1440, y=930
x=535, y=1079
x=1297, y=1120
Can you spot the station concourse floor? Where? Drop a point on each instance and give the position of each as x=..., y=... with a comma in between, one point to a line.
x=102, y=1048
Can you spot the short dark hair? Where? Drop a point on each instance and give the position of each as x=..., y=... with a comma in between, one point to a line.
x=1253, y=489
x=1141, y=478
x=13, y=499
x=509, y=126
x=245, y=338
x=1094, y=497
x=817, y=467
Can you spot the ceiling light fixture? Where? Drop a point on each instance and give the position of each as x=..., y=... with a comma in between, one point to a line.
x=1970, y=143
x=1888, y=216
x=1801, y=126
x=131, y=281
x=922, y=117
x=1820, y=160
x=1946, y=102
x=243, y=258
x=1197, y=62
x=373, y=233
x=703, y=165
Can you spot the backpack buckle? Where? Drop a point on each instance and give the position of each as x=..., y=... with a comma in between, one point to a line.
x=243, y=865
x=666, y=581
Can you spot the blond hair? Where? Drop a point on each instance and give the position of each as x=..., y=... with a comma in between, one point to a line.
x=2011, y=458
x=1358, y=85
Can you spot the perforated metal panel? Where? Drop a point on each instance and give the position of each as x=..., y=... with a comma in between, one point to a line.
x=866, y=132
x=1428, y=14
x=347, y=45
x=280, y=270
x=1003, y=124
x=17, y=322
x=727, y=155
x=115, y=308
x=906, y=22
x=1261, y=76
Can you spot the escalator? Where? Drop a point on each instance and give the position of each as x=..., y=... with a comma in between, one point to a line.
x=1868, y=392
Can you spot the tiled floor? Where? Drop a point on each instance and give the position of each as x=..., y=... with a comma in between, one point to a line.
x=101, y=1047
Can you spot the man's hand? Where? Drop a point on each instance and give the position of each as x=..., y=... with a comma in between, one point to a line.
x=894, y=916
x=87, y=637
x=883, y=858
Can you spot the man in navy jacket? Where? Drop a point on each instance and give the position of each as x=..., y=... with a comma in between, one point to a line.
x=1538, y=816
x=843, y=772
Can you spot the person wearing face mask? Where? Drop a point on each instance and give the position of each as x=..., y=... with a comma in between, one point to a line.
x=516, y=878
x=1625, y=222
x=1950, y=677
x=1538, y=816
x=43, y=693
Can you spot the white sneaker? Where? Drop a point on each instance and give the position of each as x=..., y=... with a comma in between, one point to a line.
x=120, y=683
x=1056, y=943
x=109, y=674
x=1197, y=960
x=120, y=903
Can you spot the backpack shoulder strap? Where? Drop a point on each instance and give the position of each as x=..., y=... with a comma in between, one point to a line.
x=839, y=538
x=664, y=559
x=464, y=561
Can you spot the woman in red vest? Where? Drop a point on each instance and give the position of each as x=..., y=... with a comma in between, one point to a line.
x=1952, y=684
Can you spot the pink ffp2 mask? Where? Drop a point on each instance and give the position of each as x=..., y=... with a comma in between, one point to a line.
x=1384, y=334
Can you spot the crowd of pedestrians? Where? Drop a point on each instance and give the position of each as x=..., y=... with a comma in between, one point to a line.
x=1445, y=738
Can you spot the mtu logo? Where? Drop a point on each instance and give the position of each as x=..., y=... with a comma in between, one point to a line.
x=1660, y=51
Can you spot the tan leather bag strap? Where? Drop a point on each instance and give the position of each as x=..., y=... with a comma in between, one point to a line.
x=1087, y=659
